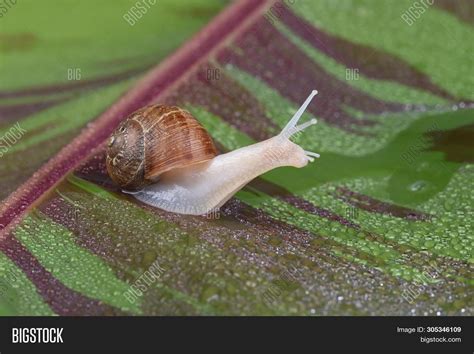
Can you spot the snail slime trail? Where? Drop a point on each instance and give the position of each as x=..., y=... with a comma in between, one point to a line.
x=165, y=158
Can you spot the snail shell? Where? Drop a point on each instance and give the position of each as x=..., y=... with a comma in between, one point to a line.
x=154, y=140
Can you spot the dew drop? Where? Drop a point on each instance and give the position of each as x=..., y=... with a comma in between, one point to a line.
x=418, y=186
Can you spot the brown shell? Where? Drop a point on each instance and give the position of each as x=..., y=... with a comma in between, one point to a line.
x=153, y=140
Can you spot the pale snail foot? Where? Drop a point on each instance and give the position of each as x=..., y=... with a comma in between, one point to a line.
x=131, y=192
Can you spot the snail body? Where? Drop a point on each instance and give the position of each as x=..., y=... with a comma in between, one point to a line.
x=198, y=187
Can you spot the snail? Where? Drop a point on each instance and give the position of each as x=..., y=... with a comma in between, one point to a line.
x=165, y=158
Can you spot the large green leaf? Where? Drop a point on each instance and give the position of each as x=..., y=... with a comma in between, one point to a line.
x=379, y=225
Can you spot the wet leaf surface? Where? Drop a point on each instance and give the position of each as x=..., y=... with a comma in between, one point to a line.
x=381, y=224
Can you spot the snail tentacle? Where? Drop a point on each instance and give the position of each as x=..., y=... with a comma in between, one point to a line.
x=287, y=130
